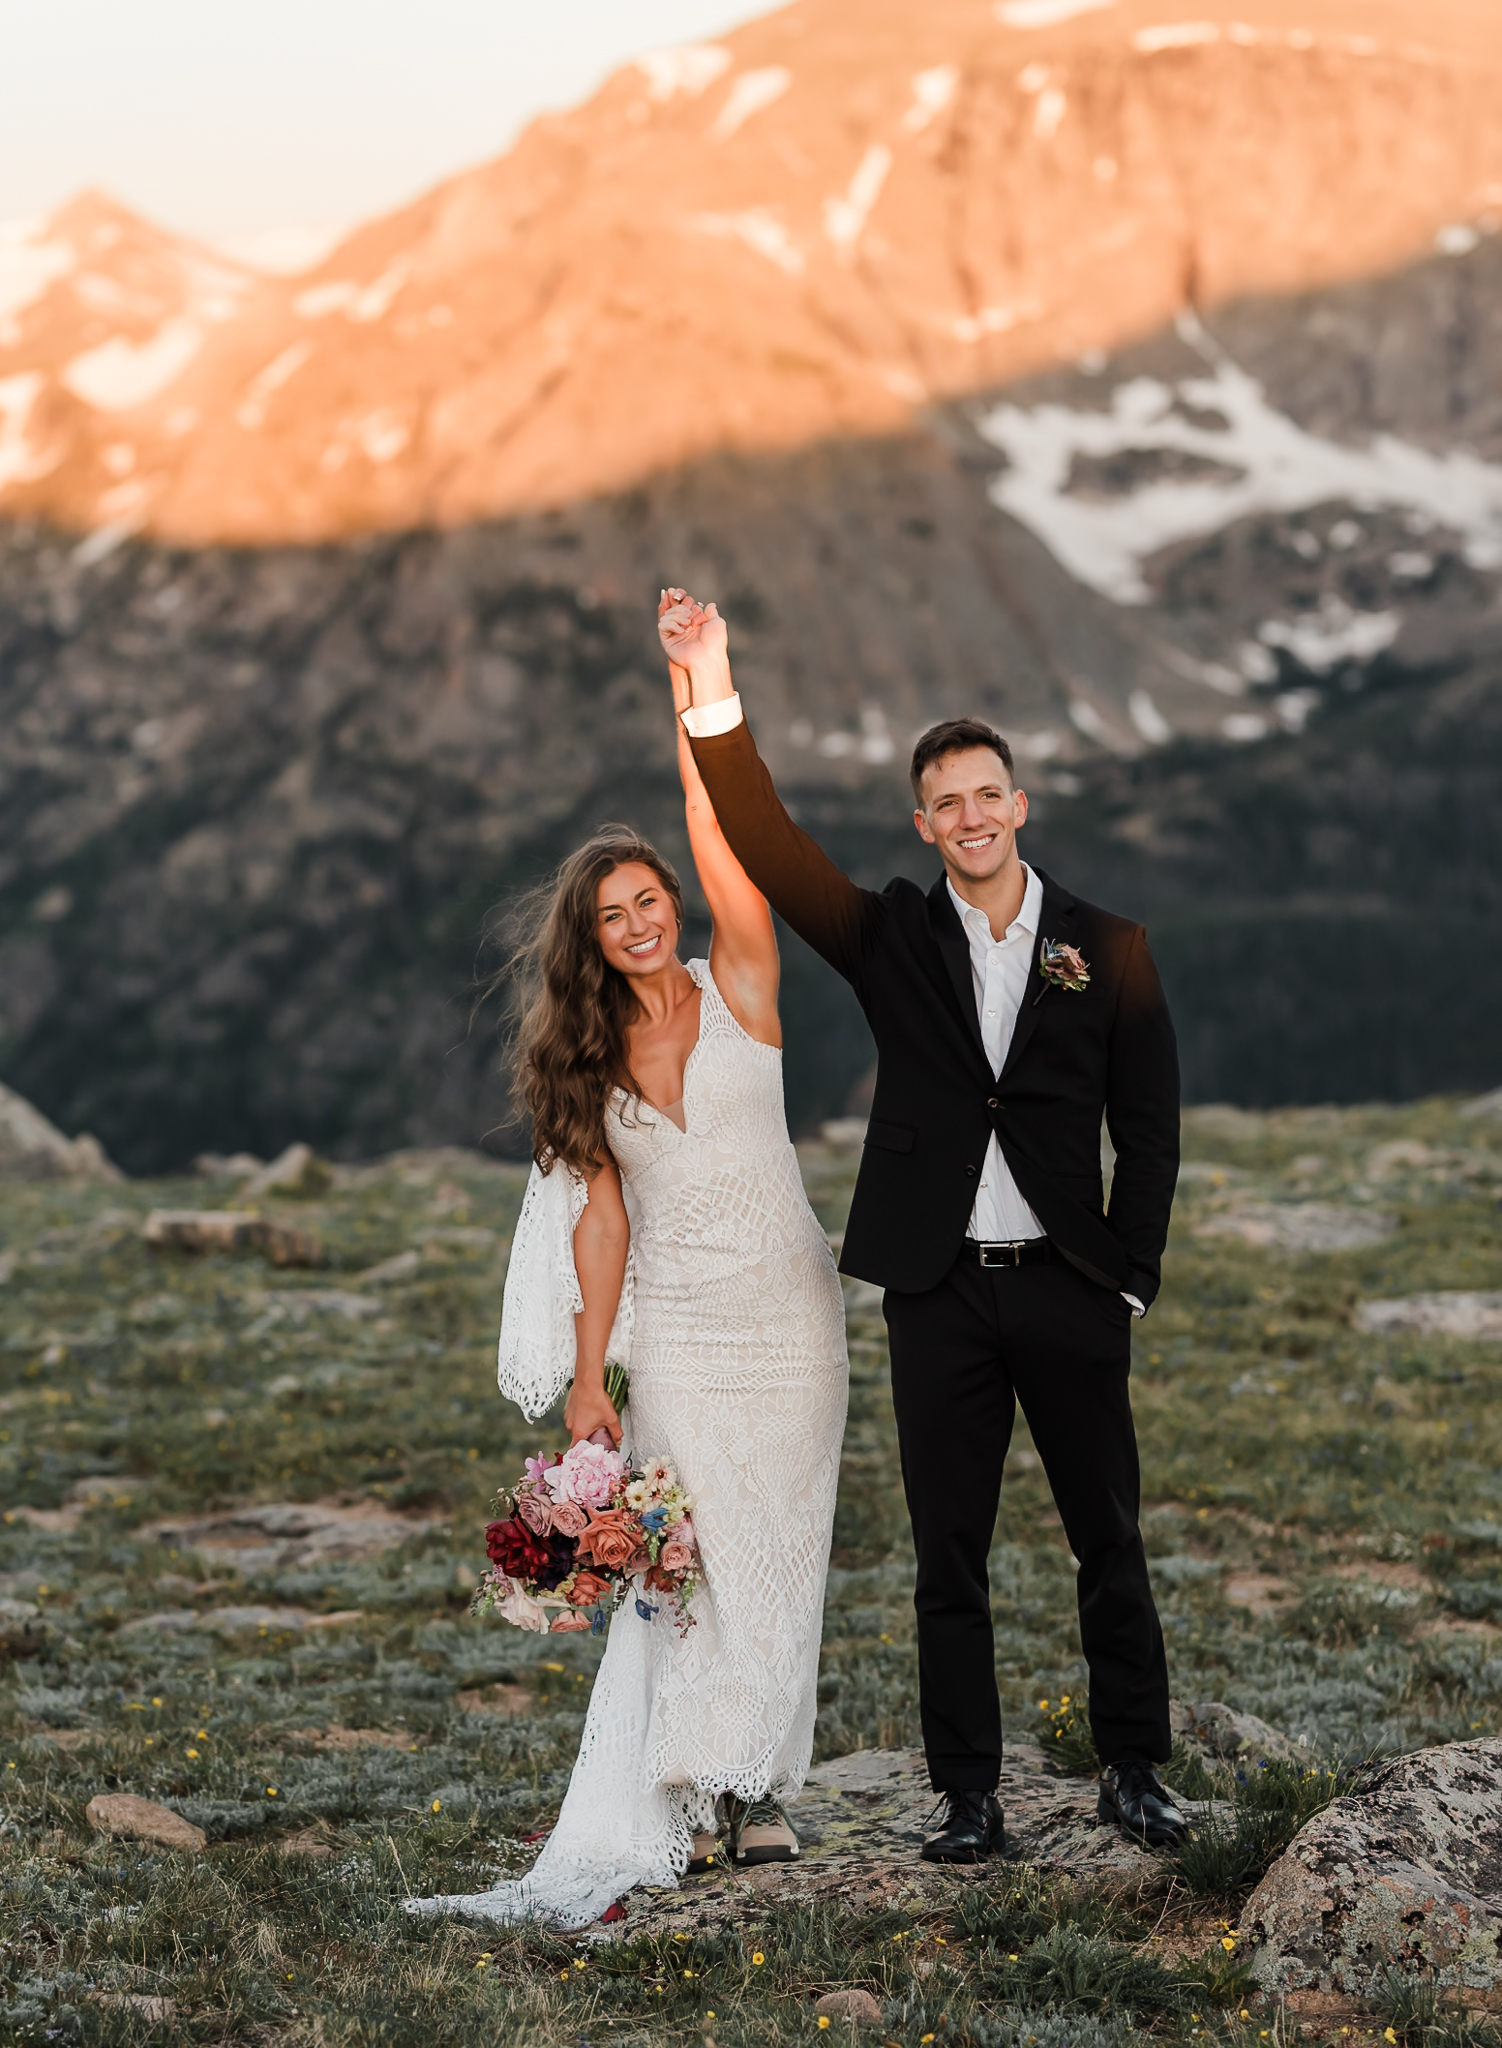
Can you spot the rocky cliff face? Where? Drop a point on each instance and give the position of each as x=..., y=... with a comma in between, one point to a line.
x=281, y=717
x=812, y=228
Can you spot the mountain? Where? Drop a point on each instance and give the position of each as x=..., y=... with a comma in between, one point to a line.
x=809, y=229
x=1204, y=505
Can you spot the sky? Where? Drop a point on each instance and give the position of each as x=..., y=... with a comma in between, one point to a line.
x=238, y=122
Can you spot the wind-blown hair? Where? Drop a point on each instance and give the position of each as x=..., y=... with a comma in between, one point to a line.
x=575, y=1010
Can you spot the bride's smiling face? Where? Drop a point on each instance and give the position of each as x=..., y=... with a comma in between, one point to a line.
x=635, y=921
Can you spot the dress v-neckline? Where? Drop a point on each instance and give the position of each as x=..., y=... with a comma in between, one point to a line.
x=656, y=1108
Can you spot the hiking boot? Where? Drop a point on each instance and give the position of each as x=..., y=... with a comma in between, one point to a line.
x=760, y=1832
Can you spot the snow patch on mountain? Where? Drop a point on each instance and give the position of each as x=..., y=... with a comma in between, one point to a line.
x=752, y=91
x=30, y=260
x=1238, y=456
x=20, y=461
x=760, y=229
x=691, y=68
x=845, y=217
x=932, y=92
x=120, y=374
x=1045, y=13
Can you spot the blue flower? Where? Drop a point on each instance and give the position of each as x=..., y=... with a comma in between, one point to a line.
x=654, y=1519
x=597, y=1622
x=643, y=1609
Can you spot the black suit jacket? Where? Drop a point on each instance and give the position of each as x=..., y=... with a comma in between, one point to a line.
x=1075, y=1056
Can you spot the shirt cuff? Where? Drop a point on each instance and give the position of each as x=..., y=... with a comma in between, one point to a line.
x=1133, y=1303
x=704, y=721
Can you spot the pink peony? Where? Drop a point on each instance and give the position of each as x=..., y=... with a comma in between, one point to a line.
x=521, y=1609
x=675, y=1557
x=683, y=1532
x=569, y=1519
x=535, y=1510
x=569, y=1624
x=588, y=1474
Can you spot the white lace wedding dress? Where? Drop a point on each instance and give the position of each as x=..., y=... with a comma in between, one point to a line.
x=736, y=1351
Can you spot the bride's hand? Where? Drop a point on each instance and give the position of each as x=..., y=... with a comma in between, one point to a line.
x=588, y=1409
x=693, y=635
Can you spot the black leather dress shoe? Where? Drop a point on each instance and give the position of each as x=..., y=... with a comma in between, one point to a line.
x=972, y=1828
x=1135, y=1799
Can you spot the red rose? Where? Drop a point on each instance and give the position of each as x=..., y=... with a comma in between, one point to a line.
x=514, y=1549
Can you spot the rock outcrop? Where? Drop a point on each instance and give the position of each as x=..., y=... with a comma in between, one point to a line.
x=1405, y=1876
x=31, y=1148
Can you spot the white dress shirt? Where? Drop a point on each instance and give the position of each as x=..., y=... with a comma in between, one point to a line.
x=999, y=970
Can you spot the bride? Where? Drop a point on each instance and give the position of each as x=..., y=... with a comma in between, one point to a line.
x=665, y=1225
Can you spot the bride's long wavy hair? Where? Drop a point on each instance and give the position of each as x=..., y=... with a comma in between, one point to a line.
x=574, y=1011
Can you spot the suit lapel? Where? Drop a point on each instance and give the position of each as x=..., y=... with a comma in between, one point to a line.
x=1056, y=920
x=954, y=951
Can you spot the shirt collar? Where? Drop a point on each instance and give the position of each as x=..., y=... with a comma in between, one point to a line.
x=1027, y=919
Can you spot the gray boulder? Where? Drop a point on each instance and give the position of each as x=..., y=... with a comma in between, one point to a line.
x=1221, y=1735
x=31, y=1148
x=1404, y=1875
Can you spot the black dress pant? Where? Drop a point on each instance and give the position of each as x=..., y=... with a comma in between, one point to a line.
x=963, y=1356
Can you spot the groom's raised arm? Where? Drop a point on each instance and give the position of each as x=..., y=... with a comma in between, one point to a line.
x=792, y=871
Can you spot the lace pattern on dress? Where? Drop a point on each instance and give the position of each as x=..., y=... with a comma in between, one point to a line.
x=535, y=1356
x=739, y=1375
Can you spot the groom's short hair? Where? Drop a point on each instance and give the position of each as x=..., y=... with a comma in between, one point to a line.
x=955, y=736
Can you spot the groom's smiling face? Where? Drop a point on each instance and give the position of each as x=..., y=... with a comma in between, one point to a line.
x=971, y=813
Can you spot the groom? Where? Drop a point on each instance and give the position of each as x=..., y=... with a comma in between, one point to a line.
x=1009, y=1018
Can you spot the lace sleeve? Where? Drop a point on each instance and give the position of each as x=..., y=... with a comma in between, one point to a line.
x=535, y=1358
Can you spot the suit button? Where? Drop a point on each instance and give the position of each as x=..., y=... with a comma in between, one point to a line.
x=972, y=1171
x=992, y=1102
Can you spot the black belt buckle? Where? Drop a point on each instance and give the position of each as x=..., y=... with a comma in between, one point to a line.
x=1002, y=1254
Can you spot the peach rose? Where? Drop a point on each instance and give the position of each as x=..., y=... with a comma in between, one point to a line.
x=588, y=1588
x=606, y=1541
x=569, y=1518
x=569, y=1624
x=675, y=1557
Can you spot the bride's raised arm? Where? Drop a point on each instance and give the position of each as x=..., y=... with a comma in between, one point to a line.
x=743, y=953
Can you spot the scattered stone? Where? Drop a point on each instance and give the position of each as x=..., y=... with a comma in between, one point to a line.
x=401, y=1266
x=122, y=1813
x=1489, y=1104
x=68, y=1738
x=232, y=1230
x=495, y=1699
x=310, y=1842
x=1300, y=1226
x=284, y=1536
x=227, y=1165
x=352, y=1738
x=293, y=1172
x=288, y=1304
x=853, y=2004
x=31, y=1148
x=23, y=1628
x=1260, y=1593
x=1219, y=1732
x=138, y=2001
x=1451, y=1314
x=169, y=1622
x=1404, y=1875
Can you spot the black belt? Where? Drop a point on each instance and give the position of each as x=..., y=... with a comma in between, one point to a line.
x=1022, y=1251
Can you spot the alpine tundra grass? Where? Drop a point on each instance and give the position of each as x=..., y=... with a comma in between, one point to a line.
x=1323, y=1509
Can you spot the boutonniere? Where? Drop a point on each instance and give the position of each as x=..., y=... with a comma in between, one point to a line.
x=1063, y=966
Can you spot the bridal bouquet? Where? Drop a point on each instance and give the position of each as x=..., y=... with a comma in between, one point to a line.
x=577, y=1531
